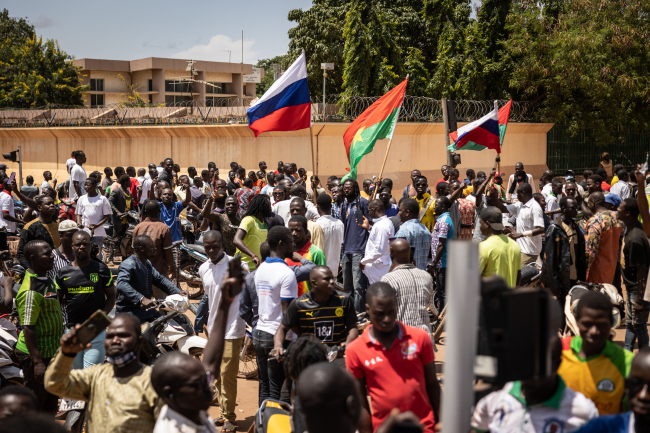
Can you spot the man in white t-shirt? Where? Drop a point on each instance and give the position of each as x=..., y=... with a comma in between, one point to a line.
x=283, y=208
x=9, y=219
x=333, y=232
x=78, y=176
x=212, y=273
x=146, y=185
x=92, y=211
x=71, y=162
x=276, y=288
x=530, y=223
x=541, y=405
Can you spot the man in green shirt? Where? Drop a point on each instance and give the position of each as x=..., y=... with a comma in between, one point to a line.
x=498, y=254
x=42, y=320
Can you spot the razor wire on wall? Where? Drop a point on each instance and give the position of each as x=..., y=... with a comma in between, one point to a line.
x=338, y=108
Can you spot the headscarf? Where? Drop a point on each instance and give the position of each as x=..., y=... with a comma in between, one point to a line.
x=518, y=180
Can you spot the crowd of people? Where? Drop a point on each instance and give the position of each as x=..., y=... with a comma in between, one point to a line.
x=315, y=259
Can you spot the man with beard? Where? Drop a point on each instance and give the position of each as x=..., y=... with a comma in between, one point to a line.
x=520, y=177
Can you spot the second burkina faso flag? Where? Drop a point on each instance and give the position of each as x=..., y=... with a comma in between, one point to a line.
x=376, y=123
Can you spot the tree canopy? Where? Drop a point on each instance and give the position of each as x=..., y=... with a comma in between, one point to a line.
x=583, y=62
x=34, y=73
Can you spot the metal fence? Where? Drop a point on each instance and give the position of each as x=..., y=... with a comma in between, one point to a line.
x=581, y=152
x=338, y=108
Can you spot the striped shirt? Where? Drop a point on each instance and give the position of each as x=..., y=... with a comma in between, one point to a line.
x=39, y=307
x=414, y=289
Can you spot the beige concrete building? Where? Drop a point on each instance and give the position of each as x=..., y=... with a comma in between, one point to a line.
x=158, y=81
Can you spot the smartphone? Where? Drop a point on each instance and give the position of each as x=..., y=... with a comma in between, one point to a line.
x=92, y=327
x=12, y=177
x=234, y=271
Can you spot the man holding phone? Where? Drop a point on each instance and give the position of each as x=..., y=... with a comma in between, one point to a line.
x=84, y=287
x=212, y=274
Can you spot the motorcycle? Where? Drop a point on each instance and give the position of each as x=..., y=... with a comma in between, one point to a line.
x=190, y=229
x=247, y=358
x=192, y=257
x=120, y=244
x=574, y=296
x=173, y=331
x=10, y=372
x=530, y=275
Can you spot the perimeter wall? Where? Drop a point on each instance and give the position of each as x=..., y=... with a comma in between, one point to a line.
x=415, y=145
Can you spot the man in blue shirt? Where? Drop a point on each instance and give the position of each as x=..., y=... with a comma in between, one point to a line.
x=135, y=277
x=354, y=243
x=637, y=386
x=442, y=230
x=416, y=233
x=170, y=214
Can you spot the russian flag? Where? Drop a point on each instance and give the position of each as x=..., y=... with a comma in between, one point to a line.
x=478, y=135
x=286, y=106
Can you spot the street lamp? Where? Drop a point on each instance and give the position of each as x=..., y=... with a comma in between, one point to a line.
x=325, y=67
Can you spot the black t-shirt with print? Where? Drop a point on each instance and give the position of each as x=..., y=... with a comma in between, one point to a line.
x=327, y=321
x=83, y=289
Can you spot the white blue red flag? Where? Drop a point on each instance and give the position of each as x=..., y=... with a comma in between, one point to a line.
x=286, y=106
x=484, y=133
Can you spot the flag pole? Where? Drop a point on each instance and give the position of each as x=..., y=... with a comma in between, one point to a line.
x=390, y=140
x=314, y=168
x=381, y=172
x=498, y=159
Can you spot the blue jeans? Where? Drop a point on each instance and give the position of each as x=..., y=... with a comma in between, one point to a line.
x=355, y=281
x=636, y=324
x=202, y=312
x=93, y=356
x=271, y=375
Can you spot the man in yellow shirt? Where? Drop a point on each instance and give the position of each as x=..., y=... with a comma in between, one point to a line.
x=498, y=254
x=427, y=215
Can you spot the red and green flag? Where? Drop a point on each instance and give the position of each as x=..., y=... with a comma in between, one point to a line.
x=377, y=122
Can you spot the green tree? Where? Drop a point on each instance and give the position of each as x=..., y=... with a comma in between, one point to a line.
x=415, y=67
x=589, y=66
x=319, y=31
x=267, y=64
x=34, y=73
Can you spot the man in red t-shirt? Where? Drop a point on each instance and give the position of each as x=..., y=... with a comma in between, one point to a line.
x=445, y=175
x=395, y=362
x=135, y=183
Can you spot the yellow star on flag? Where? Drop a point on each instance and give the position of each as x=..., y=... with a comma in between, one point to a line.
x=357, y=136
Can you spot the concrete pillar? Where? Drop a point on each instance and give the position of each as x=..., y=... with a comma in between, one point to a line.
x=250, y=90
x=158, y=82
x=199, y=87
x=237, y=85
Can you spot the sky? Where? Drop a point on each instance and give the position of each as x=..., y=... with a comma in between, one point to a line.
x=128, y=30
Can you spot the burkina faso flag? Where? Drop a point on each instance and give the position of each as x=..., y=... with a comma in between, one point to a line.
x=376, y=123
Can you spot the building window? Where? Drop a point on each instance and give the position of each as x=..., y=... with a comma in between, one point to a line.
x=96, y=100
x=151, y=85
x=217, y=101
x=175, y=99
x=151, y=99
x=218, y=88
x=96, y=85
x=177, y=86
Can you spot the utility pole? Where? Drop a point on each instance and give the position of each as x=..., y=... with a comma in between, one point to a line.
x=445, y=121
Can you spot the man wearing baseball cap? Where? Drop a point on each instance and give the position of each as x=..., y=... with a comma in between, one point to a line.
x=498, y=254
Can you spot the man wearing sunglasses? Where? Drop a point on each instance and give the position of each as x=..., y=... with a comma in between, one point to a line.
x=564, y=258
x=637, y=387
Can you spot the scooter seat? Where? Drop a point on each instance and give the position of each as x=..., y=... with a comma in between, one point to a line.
x=528, y=272
x=198, y=248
